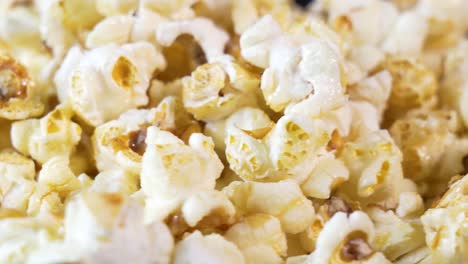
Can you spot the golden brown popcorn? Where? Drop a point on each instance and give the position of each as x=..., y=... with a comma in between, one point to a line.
x=424, y=139
x=413, y=86
x=217, y=89
x=54, y=134
x=283, y=200
x=19, y=98
x=120, y=143
x=260, y=238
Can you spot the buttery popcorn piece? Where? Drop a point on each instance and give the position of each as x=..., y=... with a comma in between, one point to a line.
x=19, y=97
x=53, y=135
x=217, y=89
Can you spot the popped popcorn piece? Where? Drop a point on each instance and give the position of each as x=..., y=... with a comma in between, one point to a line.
x=211, y=208
x=172, y=171
x=19, y=97
x=376, y=176
x=213, y=248
x=19, y=27
x=365, y=119
x=413, y=86
x=16, y=180
x=211, y=38
x=180, y=9
x=369, y=21
x=120, y=143
x=407, y=35
x=326, y=175
x=57, y=176
x=111, y=30
x=53, y=135
x=423, y=138
x=217, y=89
x=97, y=225
x=120, y=74
x=410, y=204
x=445, y=224
x=376, y=90
x=285, y=201
x=260, y=238
x=293, y=64
x=347, y=239
x=409, y=237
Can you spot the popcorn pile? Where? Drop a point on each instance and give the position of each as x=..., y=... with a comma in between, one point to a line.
x=247, y=131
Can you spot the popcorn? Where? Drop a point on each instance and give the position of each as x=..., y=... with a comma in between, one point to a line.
x=56, y=176
x=260, y=238
x=413, y=86
x=285, y=201
x=374, y=163
x=18, y=95
x=376, y=90
x=115, y=181
x=424, y=137
x=53, y=135
x=326, y=175
x=98, y=225
x=291, y=63
x=112, y=30
x=211, y=38
x=172, y=171
x=350, y=244
x=369, y=20
x=19, y=27
x=445, y=225
x=211, y=208
x=121, y=72
x=410, y=235
x=120, y=144
x=17, y=180
x=217, y=89
x=196, y=248
x=407, y=35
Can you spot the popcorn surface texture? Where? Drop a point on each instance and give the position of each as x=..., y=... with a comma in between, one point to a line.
x=233, y=131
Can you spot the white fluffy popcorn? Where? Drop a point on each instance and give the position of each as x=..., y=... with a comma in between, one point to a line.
x=172, y=170
x=285, y=201
x=260, y=238
x=294, y=64
x=197, y=249
x=115, y=7
x=211, y=38
x=109, y=80
x=115, y=181
x=54, y=134
x=98, y=225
